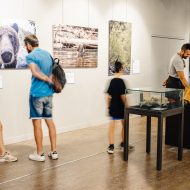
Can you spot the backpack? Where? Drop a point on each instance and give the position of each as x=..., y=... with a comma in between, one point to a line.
x=58, y=76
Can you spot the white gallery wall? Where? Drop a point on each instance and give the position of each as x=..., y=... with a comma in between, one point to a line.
x=83, y=104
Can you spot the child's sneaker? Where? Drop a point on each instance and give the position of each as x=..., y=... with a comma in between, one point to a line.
x=110, y=149
x=7, y=157
x=130, y=147
x=53, y=155
x=37, y=157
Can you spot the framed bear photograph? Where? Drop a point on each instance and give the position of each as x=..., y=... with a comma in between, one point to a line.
x=12, y=50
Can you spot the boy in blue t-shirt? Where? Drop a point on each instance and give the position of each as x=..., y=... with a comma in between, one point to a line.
x=41, y=93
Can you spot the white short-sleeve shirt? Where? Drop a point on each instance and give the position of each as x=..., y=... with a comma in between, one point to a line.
x=176, y=64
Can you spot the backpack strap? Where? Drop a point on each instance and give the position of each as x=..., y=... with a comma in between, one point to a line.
x=56, y=60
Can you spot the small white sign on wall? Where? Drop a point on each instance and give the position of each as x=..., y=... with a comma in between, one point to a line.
x=70, y=77
x=136, y=66
x=1, y=82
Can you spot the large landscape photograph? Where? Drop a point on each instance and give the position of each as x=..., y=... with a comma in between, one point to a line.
x=119, y=45
x=75, y=46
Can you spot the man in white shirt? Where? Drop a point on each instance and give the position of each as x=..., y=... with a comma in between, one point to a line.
x=176, y=77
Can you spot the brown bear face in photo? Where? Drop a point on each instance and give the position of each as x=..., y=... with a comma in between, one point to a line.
x=9, y=46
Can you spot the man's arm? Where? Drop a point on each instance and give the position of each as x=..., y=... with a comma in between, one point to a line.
x=108, y=100
x=38, y=74
x=181, y=76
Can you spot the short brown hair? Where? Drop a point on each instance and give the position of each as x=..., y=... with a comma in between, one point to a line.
x=32, y=40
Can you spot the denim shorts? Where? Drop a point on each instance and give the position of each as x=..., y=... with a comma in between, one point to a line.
x=41, y=107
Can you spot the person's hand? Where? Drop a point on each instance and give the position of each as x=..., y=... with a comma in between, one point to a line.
x=164, y=83
x=51, y=78
x=48, y=79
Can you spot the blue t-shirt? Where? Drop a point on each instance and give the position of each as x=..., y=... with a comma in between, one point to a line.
x=43, y=61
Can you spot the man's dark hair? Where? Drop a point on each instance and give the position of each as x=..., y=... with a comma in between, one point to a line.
x=118, y=66
x=32, y=40
x=185, y=47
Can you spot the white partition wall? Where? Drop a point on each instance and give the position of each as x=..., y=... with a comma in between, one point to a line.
x=163, y=48
x=82, y=104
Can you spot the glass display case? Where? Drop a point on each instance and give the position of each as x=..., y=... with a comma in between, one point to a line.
x=155, y=99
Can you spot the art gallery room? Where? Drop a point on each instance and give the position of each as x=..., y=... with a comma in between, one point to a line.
x=131, y=42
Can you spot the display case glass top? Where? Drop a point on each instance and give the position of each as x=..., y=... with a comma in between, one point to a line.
x=155, y=99
x=155, y=90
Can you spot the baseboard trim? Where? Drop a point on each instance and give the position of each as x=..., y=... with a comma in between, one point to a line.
x=60, y=130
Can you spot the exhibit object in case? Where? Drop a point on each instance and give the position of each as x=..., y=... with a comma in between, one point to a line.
x=159, y=103
x=156, y=99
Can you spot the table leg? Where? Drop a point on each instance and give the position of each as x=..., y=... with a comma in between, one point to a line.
x=148, y=134
x=180, y=142
x=159, y=143
x=126, y=136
